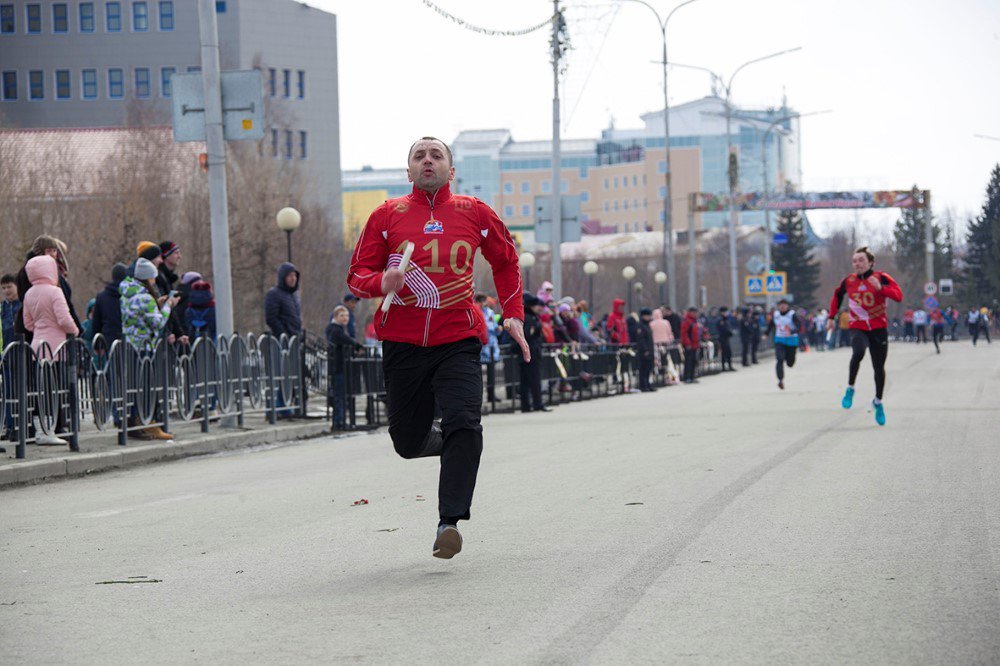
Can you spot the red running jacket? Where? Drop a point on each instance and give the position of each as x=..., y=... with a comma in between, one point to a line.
x=865, y=306
x=435, y=306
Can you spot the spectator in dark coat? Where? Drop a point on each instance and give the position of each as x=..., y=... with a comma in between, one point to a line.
x=644, y=348
x=725, y=328
x=342, y=346
x=282, y=311
x=108, y=311
x=350, y=302
x=200, y=312
x=749, y=335
x=674, y=319
x=166, y=279
x=283, y=314
x=8, y=310
x=531, y=377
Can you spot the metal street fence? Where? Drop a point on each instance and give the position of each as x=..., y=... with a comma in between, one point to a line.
x=48, y=393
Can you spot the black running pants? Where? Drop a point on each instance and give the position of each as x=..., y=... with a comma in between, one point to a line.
x=877, y=341
x=784, y=355
x=450, y=375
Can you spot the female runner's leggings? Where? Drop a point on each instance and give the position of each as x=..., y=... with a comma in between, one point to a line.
x=878, y=341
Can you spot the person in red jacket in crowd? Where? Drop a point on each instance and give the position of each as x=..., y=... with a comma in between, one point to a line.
x=433, y=332
x=691, y=341
x=617, y=327
x=866, y=290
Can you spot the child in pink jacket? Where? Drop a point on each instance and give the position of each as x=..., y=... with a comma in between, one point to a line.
x=46, y=312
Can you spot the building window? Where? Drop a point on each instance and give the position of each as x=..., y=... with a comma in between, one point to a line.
x=508, y=211
x=166, y=16
x=10, y=86
x=274, y=143
x=635, y=204
x=302, y=84
x=34, y=13
x=142, y=82
x=8, y=25
x=546, y=186
x=116, y=83
x=194, y=69
x=584, y=196
x=89, y=80
x=140, y=17
x=525, y=187
x=663, y=191
x=286, y=85
x=113, y=16
x=86, y=17
x=302, y=144
x=36, y=84
x=616, y=182
x=625, y=204
x=616, y=204
x=605, y=183
x=508, y=188
x=606, y=206
x=635, y=181
x=288, y=144
x=661, y=166
x=62, y=84
x=60, y=17
x=220, y=6
x=273, y=79
x=563, y=186
x=525, y=210
x=165, y=75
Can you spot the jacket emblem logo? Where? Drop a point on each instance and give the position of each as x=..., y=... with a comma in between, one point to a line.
x=433, y=227
x=862, y=288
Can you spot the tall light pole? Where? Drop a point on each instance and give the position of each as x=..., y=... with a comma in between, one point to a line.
x=288, y=220
x=661, y=278
x=559, y=44
x=733, y=162
x=668, y=259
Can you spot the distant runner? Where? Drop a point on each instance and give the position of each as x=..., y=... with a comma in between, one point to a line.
x=785, y=326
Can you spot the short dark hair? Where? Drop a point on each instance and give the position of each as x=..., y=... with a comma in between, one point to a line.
x=8, y=279
x=868, y=253
x=480, y=298
x=451, y=160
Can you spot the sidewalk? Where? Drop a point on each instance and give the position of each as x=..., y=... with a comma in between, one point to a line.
x=99, y=451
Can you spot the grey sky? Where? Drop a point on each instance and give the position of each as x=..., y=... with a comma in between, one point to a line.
x=909, y=82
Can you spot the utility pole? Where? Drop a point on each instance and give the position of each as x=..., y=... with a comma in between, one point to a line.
x=928, y=233
x=558, y=27
x=216, y=147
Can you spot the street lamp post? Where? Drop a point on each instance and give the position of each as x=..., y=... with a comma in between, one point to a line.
x=637, y=288
x=629, y=274
x=527, y=261
x=733, y=162
x=661, y=279
x=288, y=220
x=668, y=259
x=590, y=269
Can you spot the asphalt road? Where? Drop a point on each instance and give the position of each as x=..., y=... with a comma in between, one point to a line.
x=725, y=522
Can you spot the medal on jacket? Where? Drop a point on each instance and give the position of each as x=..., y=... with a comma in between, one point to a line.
x=433, y=226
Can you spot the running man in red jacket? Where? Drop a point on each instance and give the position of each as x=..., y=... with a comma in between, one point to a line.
x=866, y=290
x=433, y=332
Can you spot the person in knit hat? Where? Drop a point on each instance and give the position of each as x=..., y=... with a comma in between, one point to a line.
x=200, y=312
x=170, y=254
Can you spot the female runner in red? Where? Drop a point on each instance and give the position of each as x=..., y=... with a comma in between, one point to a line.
x=866, y=290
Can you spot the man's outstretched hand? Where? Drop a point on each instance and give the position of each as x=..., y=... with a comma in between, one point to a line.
x=515, y=327
x=392, y=280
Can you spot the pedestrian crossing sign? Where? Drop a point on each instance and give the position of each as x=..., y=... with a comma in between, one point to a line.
x=776, y=284
x=753, y=285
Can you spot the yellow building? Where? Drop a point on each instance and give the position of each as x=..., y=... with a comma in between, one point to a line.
x=358, y=205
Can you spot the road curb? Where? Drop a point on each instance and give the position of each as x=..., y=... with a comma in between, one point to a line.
x=70, y=465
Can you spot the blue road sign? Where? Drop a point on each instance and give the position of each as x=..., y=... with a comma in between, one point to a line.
x=930, y=303
x=753, y=285
x=776, y=284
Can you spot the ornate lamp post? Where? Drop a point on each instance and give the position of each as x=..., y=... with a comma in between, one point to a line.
x=591, y=268
x=527, y=261
x=629, y=274
x=288, y=220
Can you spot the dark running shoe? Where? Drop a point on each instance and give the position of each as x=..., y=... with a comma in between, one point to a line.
x=448, y=543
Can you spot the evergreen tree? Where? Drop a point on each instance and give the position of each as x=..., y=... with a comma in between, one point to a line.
x=909, y=236
x=981, y=277
x=795, y=258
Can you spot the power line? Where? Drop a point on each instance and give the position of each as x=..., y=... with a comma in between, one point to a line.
x=488, y=31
